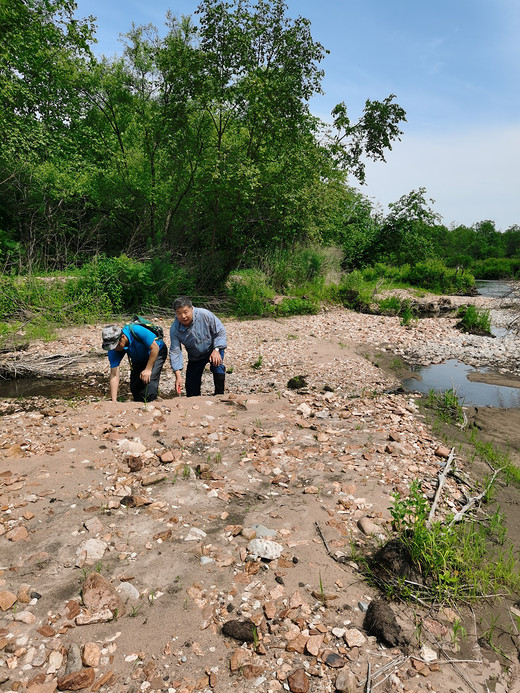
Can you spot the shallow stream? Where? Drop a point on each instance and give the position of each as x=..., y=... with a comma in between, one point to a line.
x=453, y=374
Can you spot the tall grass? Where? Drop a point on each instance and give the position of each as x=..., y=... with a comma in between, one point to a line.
x=285, y=282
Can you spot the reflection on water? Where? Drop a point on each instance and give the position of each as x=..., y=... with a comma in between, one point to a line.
x=492, y=288
x=453, y=374
x=58, y=388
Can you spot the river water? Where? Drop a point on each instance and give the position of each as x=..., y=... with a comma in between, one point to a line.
x=453, y=374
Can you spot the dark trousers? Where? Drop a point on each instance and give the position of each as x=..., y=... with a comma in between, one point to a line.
x=194, y=372
x=147, y=392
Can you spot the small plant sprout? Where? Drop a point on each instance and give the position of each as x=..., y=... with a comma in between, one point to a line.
x=322, y=590
x=135, y=610
x=258, y=363
x=459, y=632
x=186, y=471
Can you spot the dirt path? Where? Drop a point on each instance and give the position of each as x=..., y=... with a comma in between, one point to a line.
x=172, y=506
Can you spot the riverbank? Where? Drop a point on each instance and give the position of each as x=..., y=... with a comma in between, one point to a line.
x=163, y=503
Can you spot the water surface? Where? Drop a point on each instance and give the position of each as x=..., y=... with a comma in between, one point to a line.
x=453, y=375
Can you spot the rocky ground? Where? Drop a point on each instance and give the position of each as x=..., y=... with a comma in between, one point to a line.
x=206, y=544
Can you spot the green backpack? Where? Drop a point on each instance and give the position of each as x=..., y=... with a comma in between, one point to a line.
x=143, y=322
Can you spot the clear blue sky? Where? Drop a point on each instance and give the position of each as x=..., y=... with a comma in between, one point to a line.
x=454, y=66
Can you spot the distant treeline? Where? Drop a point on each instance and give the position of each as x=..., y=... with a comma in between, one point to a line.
x=195, y=154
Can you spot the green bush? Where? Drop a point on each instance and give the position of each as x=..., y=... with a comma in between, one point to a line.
x=390, y=305
x=353, y=291
x=432, y=275
x=435, y=276
x=472, y=318
x=297, y=306
x=456, y=561
x=497, y=268
x=287, y=270
x=250, y=294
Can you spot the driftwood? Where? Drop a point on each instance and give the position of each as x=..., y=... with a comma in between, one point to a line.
x=441, y=482
x=472, y=501
x=37, y=366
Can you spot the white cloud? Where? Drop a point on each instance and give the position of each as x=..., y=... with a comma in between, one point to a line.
x=471, y=174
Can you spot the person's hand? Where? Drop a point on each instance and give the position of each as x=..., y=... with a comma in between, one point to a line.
x=178, y=382
x=215, y=358
x=146, y=375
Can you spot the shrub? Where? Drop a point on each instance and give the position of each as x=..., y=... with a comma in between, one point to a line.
x=473, y=319
x=390, y=305
x=455, y=561
x=288, y=269
x=297, y=306
x=250, y=293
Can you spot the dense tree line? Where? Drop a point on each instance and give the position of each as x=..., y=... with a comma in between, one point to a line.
x=196, y=148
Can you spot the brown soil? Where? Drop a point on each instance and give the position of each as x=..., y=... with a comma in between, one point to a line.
x=310, y=465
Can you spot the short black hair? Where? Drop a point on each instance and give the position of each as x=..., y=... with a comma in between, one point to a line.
x=181, y=302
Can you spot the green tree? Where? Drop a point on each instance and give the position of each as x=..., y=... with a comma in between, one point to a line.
x=405, y=235
x=43, y=47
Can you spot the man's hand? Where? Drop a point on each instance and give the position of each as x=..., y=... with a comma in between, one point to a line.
x=146, y=375
x=215, y=358
x=178, y=382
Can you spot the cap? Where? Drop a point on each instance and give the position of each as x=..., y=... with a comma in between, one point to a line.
x=111, y=335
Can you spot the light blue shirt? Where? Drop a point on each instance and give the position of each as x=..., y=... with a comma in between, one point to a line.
x=205, y=333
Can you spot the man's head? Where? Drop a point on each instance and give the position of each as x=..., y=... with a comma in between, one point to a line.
x=183, y=308
x=111, y=336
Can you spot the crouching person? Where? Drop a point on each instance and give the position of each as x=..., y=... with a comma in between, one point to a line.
x=204, y=338
x=146, y=353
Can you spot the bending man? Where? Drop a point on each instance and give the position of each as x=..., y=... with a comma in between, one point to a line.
x=204, y=338
x=146, y=353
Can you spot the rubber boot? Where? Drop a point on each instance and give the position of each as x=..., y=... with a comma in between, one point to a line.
x=219, y=380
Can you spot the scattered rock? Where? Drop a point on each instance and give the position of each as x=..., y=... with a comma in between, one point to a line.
x=346, y=681
x=263, y=548
x=7, y=599
x=77, y=680
x=99, y=595
x=381, y=622
x=298, y=681
x=90, y=552
x=245, y=631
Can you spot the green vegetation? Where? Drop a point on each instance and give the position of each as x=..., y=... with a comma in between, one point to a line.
x=447, y=406
x=170, y=168
x=472, y=319
x=452, y=559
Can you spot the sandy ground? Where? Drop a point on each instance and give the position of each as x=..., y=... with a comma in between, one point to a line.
x=130, y=533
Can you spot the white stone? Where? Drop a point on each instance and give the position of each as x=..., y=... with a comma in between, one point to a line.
x=304, y=409
x=128, y=591
x=427, y=654
x=195, y=534
x=354, y=637
x=90, y=551
x=55, y=662
x=25, y=617
x=263, y=548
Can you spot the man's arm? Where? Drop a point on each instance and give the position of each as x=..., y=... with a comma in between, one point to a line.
x=147, y=373
x=176, y=359
x=218, y=332
x=113, y=381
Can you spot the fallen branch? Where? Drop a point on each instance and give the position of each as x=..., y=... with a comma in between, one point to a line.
x=472, y=501
x=318, y=528
x=47, y=366
x=440, y=484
